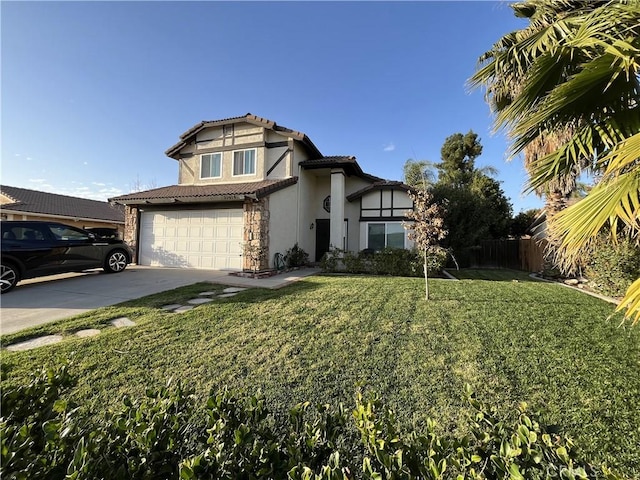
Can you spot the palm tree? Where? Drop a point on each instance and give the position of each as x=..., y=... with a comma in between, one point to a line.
x=418, y=174
x=566, y=90
x=505, y=71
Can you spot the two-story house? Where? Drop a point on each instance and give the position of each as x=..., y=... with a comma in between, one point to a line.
x=247, y=180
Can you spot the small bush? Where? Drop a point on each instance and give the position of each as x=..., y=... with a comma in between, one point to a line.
x=331, y=260
x=37, y=428
x=296, y=257
x=356, y=262
x=397, y=262
x=389, y=261
x=237, y=437
x=612, y=267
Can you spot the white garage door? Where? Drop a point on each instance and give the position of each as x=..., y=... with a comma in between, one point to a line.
x=192, y=238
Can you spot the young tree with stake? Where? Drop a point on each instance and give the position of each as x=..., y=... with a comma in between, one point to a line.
x=427, y=228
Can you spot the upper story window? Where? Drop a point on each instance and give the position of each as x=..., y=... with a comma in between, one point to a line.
x=244, y=162
x=211, y=165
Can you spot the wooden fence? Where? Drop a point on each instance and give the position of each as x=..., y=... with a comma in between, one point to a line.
x=520, y=254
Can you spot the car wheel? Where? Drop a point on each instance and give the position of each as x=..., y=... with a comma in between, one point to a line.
x=9, y=276
x=116, y=262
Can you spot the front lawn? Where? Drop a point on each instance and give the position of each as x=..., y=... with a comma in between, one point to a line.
x=319, y=339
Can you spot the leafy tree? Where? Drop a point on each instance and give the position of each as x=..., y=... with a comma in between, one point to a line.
x=418, y=173
x=522, y=221
x=496, y=207
x=427, y=228
x=476, y=207
x=464, y=217
x=458, y=155
x=566, y=89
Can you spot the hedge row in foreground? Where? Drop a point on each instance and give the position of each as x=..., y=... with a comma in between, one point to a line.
x=165, y=436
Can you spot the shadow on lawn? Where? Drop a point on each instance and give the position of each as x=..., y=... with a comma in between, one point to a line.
x=492, y=275
x=151, y=305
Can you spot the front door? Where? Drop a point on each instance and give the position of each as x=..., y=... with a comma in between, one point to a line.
x=323, y=233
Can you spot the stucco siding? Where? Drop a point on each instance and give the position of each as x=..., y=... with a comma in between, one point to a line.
x=315, y=189
x=283, y=211
x=305, y=199
x=352, y=213
x=300, y=154
x=213, y=140
x=241, y=133
x=272, y=156
x=190, y=169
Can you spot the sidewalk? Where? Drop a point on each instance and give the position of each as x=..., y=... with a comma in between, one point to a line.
x=273, y=283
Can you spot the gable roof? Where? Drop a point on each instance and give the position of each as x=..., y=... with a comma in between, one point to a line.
x=381, y=185
x=348, y=163
x=204, y=193
x=189, y=135
x=44, y=203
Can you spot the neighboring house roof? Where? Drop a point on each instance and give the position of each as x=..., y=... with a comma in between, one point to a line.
x=382, y=185
x=44, y=203
x=348, y=163
x=204, y=193
x=189, y=135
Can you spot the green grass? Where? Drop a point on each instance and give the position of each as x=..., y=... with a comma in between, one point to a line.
x=321, y=338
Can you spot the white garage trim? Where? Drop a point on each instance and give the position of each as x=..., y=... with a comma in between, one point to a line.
x=207, y=239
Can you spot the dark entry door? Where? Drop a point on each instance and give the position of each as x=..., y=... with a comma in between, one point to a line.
x=322, y=238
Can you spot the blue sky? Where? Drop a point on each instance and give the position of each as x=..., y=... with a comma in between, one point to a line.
x=93, y=93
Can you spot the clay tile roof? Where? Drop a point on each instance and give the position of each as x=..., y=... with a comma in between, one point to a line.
x=204, y=193
x=348, y=162
x=34, y=201
x=330, y=161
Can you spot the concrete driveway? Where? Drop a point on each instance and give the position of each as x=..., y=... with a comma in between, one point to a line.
x=42, y=300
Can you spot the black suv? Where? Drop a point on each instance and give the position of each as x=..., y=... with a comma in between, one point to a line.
x=34, y=249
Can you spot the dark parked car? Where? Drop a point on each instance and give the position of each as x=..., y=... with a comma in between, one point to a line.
x=34, y=249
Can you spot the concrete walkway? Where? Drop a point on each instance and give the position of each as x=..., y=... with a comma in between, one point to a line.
x=275, y=282
x=42, y=300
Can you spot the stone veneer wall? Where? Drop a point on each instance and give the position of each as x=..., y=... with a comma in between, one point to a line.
x=256, y=230
x=131, y=230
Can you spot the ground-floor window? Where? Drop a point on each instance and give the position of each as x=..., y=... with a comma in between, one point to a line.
x=385, y=234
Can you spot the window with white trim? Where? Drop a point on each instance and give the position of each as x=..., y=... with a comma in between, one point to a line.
x=244, y=162
x=211, y=165
x=385, y=234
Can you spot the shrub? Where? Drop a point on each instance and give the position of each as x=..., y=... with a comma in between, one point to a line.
x=331, y=260
x=37, y=427
x=296, y=257
x=356, y=262
x=389, y=261
x=237, y=437
x=612, y=267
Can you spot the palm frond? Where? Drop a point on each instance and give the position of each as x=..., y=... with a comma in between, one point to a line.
x=611, y=200
x=624, y=155
x=631, y=303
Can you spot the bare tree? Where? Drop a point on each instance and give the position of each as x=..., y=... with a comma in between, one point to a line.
x=138, y=186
